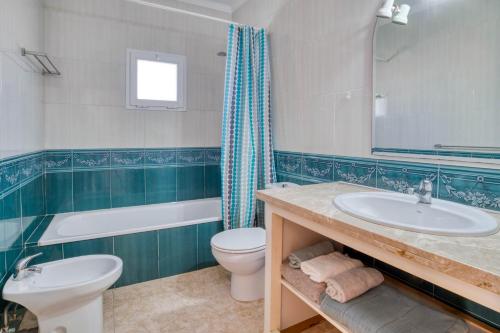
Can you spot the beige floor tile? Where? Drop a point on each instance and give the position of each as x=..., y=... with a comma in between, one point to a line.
x=196, y=302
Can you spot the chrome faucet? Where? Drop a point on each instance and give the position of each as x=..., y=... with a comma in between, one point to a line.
x=22, y=267
x=423, y=191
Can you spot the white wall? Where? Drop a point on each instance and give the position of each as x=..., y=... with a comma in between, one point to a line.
x=88, y=40
x=21, y=89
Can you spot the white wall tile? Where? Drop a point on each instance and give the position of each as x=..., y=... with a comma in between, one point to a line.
x=89, y=43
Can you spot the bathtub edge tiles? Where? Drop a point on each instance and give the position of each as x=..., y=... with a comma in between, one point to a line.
x=139, y=253
x=205, y=233
x=177, y=250
x=88, y=247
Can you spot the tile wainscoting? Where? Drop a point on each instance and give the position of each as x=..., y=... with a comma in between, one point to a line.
x=35, y=186
x=146, y=255
x=22, y=206
x=471, y=186
x=79, y=180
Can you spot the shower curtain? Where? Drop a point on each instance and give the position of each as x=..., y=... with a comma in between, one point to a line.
x=247, y=161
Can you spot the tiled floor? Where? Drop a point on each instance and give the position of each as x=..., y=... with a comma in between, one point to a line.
x=194, y=302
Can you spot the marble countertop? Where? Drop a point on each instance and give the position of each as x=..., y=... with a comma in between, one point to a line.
x=476, y=259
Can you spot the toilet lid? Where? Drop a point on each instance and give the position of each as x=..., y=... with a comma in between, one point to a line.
x=240, y=240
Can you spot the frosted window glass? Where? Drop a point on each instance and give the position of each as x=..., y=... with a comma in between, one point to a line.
x=156, y=81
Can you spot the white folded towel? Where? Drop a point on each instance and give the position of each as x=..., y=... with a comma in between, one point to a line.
x=329, y=265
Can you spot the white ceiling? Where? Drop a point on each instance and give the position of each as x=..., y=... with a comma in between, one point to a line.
x=223, y=5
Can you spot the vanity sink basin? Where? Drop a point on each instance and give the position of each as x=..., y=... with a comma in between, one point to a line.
x=403, y=211
x=66, y=296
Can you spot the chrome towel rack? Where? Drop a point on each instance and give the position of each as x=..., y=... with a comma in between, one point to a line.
x=440, y=146
x=48, y=67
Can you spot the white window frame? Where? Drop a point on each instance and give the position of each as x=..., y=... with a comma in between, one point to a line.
x=133, y=102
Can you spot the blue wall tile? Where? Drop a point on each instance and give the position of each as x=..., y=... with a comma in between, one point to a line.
x=91, y=159
x=399, y=177
x=33, y=238
x=91, y=190
x=127, y=187
x=212, y=181
x=33, y=197
x=159, y=157
x=356, y=171
x=161, y=185
x=470, y=186
x=318, y=168
x=190, y=182
x=49, y=253
x=177, y=250
x=289, y=163
x=205, y=233
x=189, y=156
x=59, y=192
x=88, y=247
x=212, y=156
x=127, y=158
x=60, y=160
x=12, y=221
x=139, y=253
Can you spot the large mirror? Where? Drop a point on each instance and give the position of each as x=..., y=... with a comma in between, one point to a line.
x=437, y=81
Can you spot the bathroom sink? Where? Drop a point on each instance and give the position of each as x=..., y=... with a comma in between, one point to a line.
x=67, y=293
x=403, y=211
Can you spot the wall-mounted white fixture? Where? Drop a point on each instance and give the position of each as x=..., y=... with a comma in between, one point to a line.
x=399, y=14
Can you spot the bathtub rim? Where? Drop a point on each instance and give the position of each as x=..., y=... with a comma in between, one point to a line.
x=58, y=218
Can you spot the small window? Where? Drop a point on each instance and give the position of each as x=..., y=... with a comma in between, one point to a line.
x=156, y=81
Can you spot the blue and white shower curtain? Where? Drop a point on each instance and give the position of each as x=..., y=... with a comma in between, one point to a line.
x=247, y=161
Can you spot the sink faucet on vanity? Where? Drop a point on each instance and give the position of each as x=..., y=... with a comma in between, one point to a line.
x=423, y=192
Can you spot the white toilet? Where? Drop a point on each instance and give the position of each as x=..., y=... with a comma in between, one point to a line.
x=242, y=252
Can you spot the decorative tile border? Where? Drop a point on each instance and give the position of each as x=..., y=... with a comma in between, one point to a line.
x=18, y=171
x=471, y=186
x=438, y=152
x=83, y=159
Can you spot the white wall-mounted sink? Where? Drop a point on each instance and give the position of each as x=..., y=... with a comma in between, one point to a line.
x=403, y=211
x=67, y=295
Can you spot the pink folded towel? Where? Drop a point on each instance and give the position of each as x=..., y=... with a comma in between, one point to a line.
x=329, y=265
x=353, y=283
x=302, y=283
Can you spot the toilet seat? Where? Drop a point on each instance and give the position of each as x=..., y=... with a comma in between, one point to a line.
x=244, y=240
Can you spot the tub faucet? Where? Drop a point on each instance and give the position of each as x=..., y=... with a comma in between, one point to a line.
x=22, y=267
x=423, y=192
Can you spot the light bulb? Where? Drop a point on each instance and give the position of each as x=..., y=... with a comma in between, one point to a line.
x=386, y=10
x=401, y=17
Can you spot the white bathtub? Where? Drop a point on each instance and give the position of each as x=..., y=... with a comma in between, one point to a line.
x=72, y=227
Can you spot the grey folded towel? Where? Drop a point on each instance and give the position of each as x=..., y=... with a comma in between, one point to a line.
x=384, y=309
x=319, y=249
x=302, y=283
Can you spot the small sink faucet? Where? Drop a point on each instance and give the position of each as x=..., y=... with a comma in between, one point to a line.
x=423, y=192
x=22, y=267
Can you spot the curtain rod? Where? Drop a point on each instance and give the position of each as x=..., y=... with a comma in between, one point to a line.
x=182, y=11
